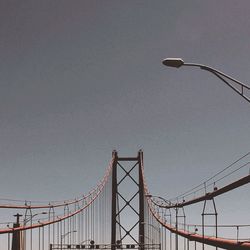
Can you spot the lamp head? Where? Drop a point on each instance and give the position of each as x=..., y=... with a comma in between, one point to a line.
x=173, y=62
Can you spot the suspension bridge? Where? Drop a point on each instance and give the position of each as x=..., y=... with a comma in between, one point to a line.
x=121, y=213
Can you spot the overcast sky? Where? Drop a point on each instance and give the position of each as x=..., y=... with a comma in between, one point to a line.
x=81, y=78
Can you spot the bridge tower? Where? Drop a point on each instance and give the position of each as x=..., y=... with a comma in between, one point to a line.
x=125, y=168
x=17, y=235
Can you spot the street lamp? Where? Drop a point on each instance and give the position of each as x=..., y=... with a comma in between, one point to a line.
x=90, y=241
x=64, y=235
x=178, y=62
x=28, y=218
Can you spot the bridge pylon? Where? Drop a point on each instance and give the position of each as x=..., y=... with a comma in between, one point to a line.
x=125, y=168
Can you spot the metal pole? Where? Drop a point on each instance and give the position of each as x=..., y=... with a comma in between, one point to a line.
x=61, y=241
x=178, y=62
x=176, y=228
x=114, y=201
x=141, y=202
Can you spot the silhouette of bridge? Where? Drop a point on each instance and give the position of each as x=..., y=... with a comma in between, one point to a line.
x=121, y=213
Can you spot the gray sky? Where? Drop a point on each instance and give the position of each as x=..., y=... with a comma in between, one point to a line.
x=81, y=78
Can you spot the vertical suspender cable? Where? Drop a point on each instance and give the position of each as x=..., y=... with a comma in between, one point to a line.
x=42, y=238
x=39, y=238
x=8, y=241
x=58, y=241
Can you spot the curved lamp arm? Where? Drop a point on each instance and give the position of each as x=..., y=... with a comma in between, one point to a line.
x=178, y=62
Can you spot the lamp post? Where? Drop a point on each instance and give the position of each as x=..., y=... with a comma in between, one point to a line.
x=178, y=62
x=64, y=235
x=25, y=221
x=90, y=241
